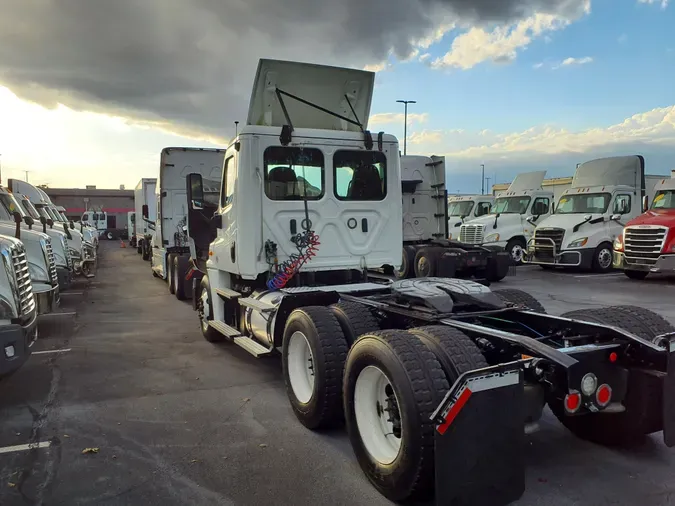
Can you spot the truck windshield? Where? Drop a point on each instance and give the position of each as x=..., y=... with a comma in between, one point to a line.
x=460, y=208
x=583, y=203
x=10, y=204
x=664, y=199
x=41, y=209
x=511, y=205
x=30, y=209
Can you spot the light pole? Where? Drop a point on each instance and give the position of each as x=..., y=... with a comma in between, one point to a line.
x=482, y=180
x=405, y=124
x=488, y=183
x=236, y=128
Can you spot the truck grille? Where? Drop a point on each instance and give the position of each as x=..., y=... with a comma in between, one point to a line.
x=23, y=282
x=471, y=234
x=644, y=245
x=542, y=240
x=52, y=263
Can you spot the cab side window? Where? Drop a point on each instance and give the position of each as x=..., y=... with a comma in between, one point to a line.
x=622, y=204
x=541, y=206
x=483, y=208
x=229, y=171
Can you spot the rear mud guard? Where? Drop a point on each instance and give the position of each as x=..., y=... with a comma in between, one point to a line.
x=669, y=392
x=480, y=437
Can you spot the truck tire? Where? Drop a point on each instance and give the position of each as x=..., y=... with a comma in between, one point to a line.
x=354, y=319
x=139, y=246
x=313, y=357
x=146, y=251
x=497, y=269
x=426, y=261
x=393, y=367
x=455, y=351
x=516, y=249
x=168, y=273
x=639, y=275
x=652, y=324
x=180, y=263
x=602, y=258
x=407, y=269
x=642, y=401
x=205, y=312
x=520, y=298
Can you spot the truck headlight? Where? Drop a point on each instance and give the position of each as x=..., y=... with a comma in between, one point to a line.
x=578, y=243
x=492, y=238
x=7, y=310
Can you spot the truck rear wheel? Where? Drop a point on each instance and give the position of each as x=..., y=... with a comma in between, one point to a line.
x=180, y=266
x=168, y=272
x=354, y=319
x=639, y=275
x=392, y=385
x=643, y=396
x=520, y=298
x=407, y=269
x=313, y=356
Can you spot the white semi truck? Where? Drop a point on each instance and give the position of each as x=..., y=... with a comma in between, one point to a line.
x=464, y=208
x=605, y=194
x=144, y=195
x=18, y=310
x=436, y=379
x=427, y=251
x=39, y=254
x=30, y=202
x=170, y=246
x=513, y=216
x=89, y=234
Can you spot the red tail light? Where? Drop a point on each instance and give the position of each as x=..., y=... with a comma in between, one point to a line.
x=572, y=402
x=603, y=395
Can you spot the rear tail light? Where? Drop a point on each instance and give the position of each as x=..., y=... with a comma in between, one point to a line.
x=603, y=395
x=572, y=402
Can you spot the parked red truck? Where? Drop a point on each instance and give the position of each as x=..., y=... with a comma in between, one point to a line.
x=647, y=243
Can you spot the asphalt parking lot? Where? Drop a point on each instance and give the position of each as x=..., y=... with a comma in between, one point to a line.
x=172, y=419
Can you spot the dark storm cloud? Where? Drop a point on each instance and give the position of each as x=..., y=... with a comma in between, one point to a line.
x=191, y=62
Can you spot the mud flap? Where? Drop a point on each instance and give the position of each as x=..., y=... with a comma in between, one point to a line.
x=480, y=437
x=669, y=394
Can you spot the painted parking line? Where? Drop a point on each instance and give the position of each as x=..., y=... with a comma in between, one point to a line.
x=43, y=352
x=70, y=313
x=29, y=446
x=607, y=275
x=71, y=293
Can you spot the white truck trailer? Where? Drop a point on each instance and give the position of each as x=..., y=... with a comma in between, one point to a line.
x=513, y=216
x=436, y=379
x=18, y=310
x=144, y=197
x=605, y=194
x=170, y=251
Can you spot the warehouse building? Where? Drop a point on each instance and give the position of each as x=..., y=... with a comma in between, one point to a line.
x=77, y=201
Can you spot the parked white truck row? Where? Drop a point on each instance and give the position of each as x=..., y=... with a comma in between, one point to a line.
x=41, y=254
x=275, y=237
x=568, y=226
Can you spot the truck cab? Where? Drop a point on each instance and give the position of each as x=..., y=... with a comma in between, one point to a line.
x=39, y=253
x=29, y=202
x=18, y=310
x=605, y=194
x=464, y=208
x=647, y=243
x=512, y=218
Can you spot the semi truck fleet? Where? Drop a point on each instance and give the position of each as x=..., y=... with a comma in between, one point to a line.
x=464, y=208
x=606, y=193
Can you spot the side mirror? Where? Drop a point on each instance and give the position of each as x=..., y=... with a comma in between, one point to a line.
x=615, y=217
x=28, y=220
x=17, y=217
x=72, y=225
x=50, y=222
x=645, y=204
x=43, y=220
x=195, y=188
x=531, y=219
x=145, y=211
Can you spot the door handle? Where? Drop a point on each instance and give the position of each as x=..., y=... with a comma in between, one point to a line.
x=364, y=224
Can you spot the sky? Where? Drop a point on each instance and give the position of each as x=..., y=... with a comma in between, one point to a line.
x=92, y=90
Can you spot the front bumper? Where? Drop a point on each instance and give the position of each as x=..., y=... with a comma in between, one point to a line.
x=47, y=300
x=581, y=257
x=664, y=263
x=16, y=340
